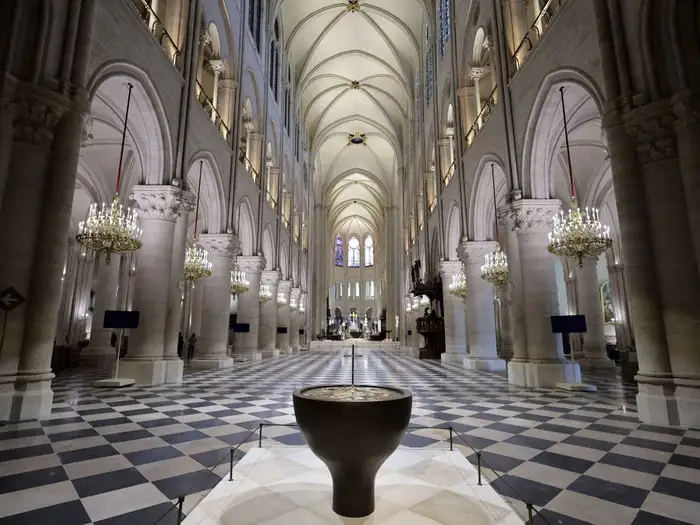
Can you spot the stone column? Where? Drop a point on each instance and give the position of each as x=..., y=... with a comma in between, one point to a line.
x=218, y=68
x=544, y=364
x=445, y=151
x=197, y=300
x=455, y=333
x=589, y=305
x=249, y=307
x=284, y=288
x=479, y=309
x=505, y=301
x=226, y=99
x=618, y=290
x=267, y=340
x=294, y=320
x=158, y=207
x=35, y=213
x=173, y=362
x=255, y=140
x=101, y=353
x=476, y=74
x=212, y=351
x=515, y=16
x=466, y=106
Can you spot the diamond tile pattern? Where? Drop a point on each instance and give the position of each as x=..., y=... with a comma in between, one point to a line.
x=108, y=457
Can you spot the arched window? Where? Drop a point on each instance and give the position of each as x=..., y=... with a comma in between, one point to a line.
x=339, y=251
x=444, y=25
x=254, y=20
x=354, y=252
x=369, y=251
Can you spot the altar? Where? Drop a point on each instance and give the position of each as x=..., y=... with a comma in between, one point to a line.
x=360, y=345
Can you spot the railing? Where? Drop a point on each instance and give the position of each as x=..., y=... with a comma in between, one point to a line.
x=248, y=165
x=449, y=174
x=271, y=200
x=482, y=468
x=432, y=205
x=211, y=111
x=158, y=31
x=482, y=117
x=534, y=34
x=285, y=222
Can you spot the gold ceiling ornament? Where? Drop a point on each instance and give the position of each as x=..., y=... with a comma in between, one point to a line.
x=353, y=6
x=197, y=265
x=357, y=138
x=458, y=286
x=239, y=283
x=495, y=267
x=354, y=85
x=579, y=234
x=112, y=228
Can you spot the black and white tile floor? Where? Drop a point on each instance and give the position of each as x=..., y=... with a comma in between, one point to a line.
x=113, y=457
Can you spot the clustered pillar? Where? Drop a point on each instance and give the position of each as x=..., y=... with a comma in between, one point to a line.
x=284, y=289
x=249, y=307
x=267, y=340
x=455, y=334
x=294, y=317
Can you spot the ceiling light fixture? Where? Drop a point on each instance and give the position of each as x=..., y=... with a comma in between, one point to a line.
x=495, y=269
x=357, y=138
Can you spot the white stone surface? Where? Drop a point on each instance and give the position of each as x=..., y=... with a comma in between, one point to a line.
x=291, y=486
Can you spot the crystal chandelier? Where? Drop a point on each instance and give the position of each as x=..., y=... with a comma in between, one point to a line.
x=424, y=300
x=197, y=263
x=281, y=300
x=415, y=302
x=495, y=268
x=409, y=304
x=292, y=304
x=112, y=229
x=265, y=293
x=302, y=305
x=458, y=286
x=239, y=284
x=578, y=234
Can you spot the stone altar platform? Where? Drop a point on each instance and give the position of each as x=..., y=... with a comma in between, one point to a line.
x=290, y=486
x=360, y=344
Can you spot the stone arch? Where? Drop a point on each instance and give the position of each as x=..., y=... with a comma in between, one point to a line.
x=212, y=198
x=251, y=91
x=481, y=220
x=284, y=260
x=245, y=226
x=268, y=246
x=545, y=126
x=452, y=233
x=148, y=128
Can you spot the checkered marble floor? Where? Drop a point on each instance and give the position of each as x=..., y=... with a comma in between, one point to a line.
x=112, y=457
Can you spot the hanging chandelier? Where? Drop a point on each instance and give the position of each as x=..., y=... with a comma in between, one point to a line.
x=409, y=304
x=458, y=286
x=239, y=284
x=197, y=264
x=578, y=234
x=281, y=300
x=265, y=293
x=112, y=229
x=292, y=304
x=424, y=300
x=302, y=301
x=495, y=267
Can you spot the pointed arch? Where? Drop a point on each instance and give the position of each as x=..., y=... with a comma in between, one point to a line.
x=453, y=232
x=213, y=199
x=480, y=215
x=245, y=226
x=268, y=247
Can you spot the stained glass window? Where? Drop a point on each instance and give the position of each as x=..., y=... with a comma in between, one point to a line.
x=444, y=25
x=354, y=253
x=428, y=75
x=339, y=251
x=369, y=251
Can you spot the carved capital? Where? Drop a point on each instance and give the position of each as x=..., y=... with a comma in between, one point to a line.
x=529, y=215
x=251, y=264
x=284, y=287
x=86, y=132
x=188, y=202
x=204, y=37
x=473, y=252
x=295, y=294
x=448, y=269
x=270, y=277
x=217, y=66
x=219, y=244
x=654, y=137
x=444, y=143
x=254, y=135
x=687, y=110
x=429, y=176
x=477, y=72
x=227, y=83
x=157, y=202
x=35, y=121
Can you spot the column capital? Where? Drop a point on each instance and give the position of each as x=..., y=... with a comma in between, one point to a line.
x=449, y=268
x=296, y=293
x=284, y=287
x=157, y=202
x=35, y=120
x=188, y=202
x=255, y=136
x=687, y=109
x=653, y=134
x=227, y=83
x=445, y=142
x=529, y=215
x=476, y=73
x=219, y=244
x=217, y=66
x=471, y=252
x=251, y=263
x=270, y=277
x=429, y=176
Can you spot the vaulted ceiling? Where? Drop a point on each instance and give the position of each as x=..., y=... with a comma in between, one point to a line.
x=354, y=65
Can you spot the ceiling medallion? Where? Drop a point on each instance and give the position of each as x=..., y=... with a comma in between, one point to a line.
x=357, y=138
x=353, y=6
x=355, y=85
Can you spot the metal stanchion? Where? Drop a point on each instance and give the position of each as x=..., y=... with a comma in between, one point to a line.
x=450, y=438
x=352, y=382
x=180, y=513
x=260, y=435
x=529, y=514
x=478, y=468
x=230, y=466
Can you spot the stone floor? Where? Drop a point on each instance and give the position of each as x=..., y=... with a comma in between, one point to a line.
x=114, y=457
